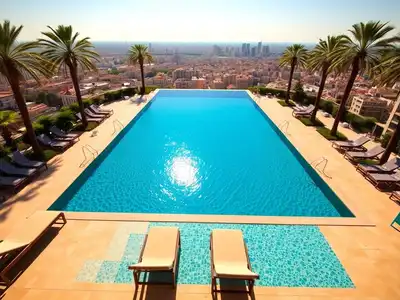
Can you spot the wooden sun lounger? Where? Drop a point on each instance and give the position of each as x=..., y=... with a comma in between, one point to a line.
x=159, y=253
x=20, y=240
x=230, y=259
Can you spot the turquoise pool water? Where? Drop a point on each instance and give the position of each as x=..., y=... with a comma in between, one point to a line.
x=283, y=255
x=202, y=152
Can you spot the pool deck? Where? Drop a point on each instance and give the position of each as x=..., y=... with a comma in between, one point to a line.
x=367, y=246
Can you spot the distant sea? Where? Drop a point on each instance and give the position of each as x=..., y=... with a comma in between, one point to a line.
x=118, y=48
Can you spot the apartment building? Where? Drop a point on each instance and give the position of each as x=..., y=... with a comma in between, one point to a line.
x=368, y=106
x=218, y=84
x=185, y=73
x=243, y=81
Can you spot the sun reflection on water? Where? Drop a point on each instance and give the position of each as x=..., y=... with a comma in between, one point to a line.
x=182, y=170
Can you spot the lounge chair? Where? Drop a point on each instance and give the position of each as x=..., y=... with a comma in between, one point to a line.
x=57, y=145
x=21, y=160
x=89, y=119
x=303, y=113
x=97, y=111
x=301, y=107
x=57, y=132
x=371, y=153
x=90, y=114
x=395, y=195
x=379, y=179
x=9, y=169
x=110, y=111
x=388, y=167
x=159, y=253
x=230, y=258
x=12, y=182
x=356, y=145
x=20, y=240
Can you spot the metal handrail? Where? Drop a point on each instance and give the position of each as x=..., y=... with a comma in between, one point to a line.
x=282, y=126
x=318, y=162
x=120, y=125
x=89, y=149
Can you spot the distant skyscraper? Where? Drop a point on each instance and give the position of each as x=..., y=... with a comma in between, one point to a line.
x=259, y=48
x=244, y=49
x=150, y=49
x=253, y=51
x=247, y=49
x=265, y=50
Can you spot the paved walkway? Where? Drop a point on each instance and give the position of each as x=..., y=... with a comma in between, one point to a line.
x=370, y=254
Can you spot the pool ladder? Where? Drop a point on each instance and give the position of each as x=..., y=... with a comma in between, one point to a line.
x=89, y=150
x=322, y=161
x=117, y=125
x=284, y=125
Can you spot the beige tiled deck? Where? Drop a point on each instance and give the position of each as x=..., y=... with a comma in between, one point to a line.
x=370, y=254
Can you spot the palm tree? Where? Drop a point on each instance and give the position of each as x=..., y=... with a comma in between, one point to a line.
x=19, y=61
x=388, y=74
x=139, y=54
x=320, y=59
x=63, y=49
x=7, y=117
x=293, y=56
x=361, y=52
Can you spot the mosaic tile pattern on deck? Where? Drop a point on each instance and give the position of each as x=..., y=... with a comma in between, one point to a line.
x=283, y=255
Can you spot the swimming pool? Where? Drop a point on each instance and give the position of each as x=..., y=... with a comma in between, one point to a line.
x=202, y=152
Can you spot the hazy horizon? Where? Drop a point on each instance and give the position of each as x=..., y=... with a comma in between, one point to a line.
x=209, y=21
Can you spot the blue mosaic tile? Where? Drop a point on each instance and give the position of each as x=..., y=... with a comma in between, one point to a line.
x=133, y=247
x=283, y=255
x=108, y=272
x=89, y=271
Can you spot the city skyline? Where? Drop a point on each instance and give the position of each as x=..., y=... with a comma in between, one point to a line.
x=208, y=21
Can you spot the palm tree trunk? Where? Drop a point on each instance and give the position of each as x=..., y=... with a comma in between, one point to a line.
x=14, y=83
x=74, y=76
x=349, y=86
x=7, y=136
x=319, y=95
x=142, y=75
x=391, y=146
x=293, y=65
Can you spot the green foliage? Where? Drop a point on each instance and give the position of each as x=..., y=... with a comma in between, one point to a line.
x=87, y=103
x=307, y=122
x=281, y=94
x=149, y=89
x=74, y=107
x=43, y=124
x=283, y=103
x=90, y=127
x=299, y=95
x=360, y=124
x=47, y=155
x=326, y=106
x=4, y=151
x=22, y=146
x=65, y=119
x=326, y=133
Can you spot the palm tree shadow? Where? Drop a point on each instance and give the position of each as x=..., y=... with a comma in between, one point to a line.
x=24, y=263
x=154, y=292
x=30, y=190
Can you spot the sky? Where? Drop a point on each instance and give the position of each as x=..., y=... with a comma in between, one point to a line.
x=199, y=20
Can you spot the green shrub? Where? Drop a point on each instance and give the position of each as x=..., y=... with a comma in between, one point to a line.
x=38, y=128
x=47, y=155
x=44, y=123
x=90, y=127
x=87, y=103
x=327, y=106
x=359, y=123
x=74, y=107
x=307, y=122
x=65, y=119
x=4, y=151
x=283, y=103
x=326, y=133
x=385, y=139
x=275, y=92
x=22, y=146
x=299, y=95
x=149, y=89
x=334, y=110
